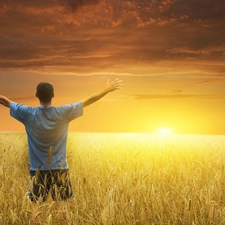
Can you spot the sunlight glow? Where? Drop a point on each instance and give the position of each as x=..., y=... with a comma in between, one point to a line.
x=164, y=131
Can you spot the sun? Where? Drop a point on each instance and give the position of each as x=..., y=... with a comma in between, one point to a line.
x=164, y=131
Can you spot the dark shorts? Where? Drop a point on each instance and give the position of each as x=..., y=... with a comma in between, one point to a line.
x=54, y=182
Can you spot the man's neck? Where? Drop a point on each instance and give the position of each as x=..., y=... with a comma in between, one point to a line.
x=45, y=103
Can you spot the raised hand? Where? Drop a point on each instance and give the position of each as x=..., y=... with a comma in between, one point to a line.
x=114, y=85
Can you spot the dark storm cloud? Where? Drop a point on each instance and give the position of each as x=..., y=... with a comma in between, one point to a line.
x=127, y=13
x=201, y=9
x=75, y=4
x=37, y=34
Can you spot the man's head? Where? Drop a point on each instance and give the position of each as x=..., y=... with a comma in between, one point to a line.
x=45, y=92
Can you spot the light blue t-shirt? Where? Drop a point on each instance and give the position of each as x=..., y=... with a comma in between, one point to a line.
x=47, y=130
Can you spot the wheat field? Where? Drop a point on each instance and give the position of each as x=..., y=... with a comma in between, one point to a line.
x=123, y=179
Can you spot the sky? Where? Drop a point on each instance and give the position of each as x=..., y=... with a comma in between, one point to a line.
x=170, y=55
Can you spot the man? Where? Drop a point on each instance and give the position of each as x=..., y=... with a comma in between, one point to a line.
x=47, y=129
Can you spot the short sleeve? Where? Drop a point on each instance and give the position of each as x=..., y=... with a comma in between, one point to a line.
x=19, y=112
x=73, y=111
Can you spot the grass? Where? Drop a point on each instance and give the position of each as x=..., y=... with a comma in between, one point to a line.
x=124, y=179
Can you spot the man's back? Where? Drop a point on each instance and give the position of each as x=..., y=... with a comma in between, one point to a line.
x=47, y=129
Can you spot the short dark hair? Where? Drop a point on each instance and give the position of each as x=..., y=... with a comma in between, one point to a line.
x=45, y=91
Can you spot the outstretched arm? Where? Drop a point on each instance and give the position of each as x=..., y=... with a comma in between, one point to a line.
x=5, y=101
x=116, y=84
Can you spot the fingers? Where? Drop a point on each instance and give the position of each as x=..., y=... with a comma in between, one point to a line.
x=116, y=84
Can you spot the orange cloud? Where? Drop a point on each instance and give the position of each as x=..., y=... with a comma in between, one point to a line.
x=175, y=96
x=110, y=36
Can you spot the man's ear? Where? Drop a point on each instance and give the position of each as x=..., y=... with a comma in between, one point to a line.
x=36, y=95
x=53, y=94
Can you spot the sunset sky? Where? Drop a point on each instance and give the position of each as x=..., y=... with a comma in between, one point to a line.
x=170, y=55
